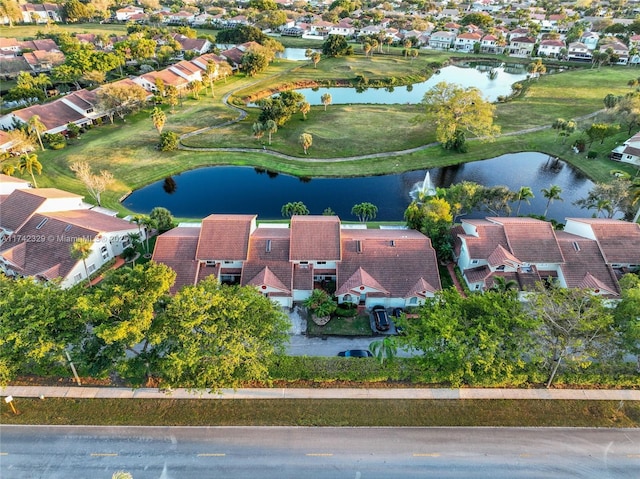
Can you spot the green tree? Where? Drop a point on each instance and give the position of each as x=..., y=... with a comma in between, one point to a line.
x=35, y=125
x=11, y=10
x=159, y=118
x=480, y=339
x=80, y=250
x=169, y=141
x=601, y=131
x=336, y=46
x=306, y=140
x=326, y=99
x=162, y=218
x=536, y=68
x=385, y=349
x=37, y=323
x=258, y=129
x=172, y=97
x=217, y=336
x=524, y=194
x=30, y=164
x=280, y=108
x=74, y=11
x=456, y=111
x=502, y=285
x=613, y=197
x=551, y=194
x=211, y=73
x=365, y=211
x=575, y=324
x=271, y=127
x=253, y=62
x=627, y=315
x=305, y=107
x=294, y=208
x=121, y=99
x=320, y=304
x=627, y=112
x=434, y=219
x=315, y=58
x=120, y=311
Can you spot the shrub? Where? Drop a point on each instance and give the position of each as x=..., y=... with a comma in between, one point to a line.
x=346, y=310
x=169, y=141
x=592, y=154
x=320, y=303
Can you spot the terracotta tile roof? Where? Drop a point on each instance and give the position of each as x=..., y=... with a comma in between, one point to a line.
x=585, y=266
x=52, y=115
x=8, y=42
x=45, y=44
x=167, y=76
x=49, y=258
x=302, y=277
x=268, y=263
x=92, y=220
x=177, y=249
x=619, y=240
x=531, y=240
x=10, y=179
x=18, y=208
x=501, y=256
x=490, y=235
x=225, y=237
x=399, y=263
x=315, y=238
x=188, y=67
x=477, y=274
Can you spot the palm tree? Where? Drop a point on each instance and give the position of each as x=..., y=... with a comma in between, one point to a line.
x=36, y=126
x=295, y=208
x=315, y=58
x=366, y=48
x=148, y=223
x=326, y=100
x=502, y=285
x=552, y=193
x=305, y=107
x=30, y=163
x=524, y=194
x=271, y=127
x=159, y=118
x=365, y=211
x=121, y=475
x=635, y=197
x=211, y=73
x=384, y=349
x=81, y=250
x=8, y=170
x=306, y=140
x=258, y=130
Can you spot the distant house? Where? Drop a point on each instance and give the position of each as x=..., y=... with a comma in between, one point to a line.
x=590, y=39
x=628, y=152
x=527, y=251
x=197, y=45
x=38, y=227
x=521, y=46
x=40, y=13
x=394, y=268
x=125, y=14
x=442, y=40
x=551, y=48
x=466, y=41
x=578, y=51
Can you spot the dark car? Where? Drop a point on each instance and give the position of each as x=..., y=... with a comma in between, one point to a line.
x=356, y=353
x=381, y=318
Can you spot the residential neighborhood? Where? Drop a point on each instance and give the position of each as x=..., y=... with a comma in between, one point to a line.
x=293, y=203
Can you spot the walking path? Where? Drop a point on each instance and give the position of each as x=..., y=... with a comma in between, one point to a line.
x=319, y=393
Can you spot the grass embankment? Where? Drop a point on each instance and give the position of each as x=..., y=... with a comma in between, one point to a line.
x=334, y=412
x=129, y=151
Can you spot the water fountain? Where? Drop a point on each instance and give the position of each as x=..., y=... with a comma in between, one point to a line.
x=423, y=189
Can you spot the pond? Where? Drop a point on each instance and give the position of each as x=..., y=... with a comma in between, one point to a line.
x=243, y=190
x=491, y=88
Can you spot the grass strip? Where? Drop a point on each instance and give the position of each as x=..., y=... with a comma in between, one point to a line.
x=316, y=412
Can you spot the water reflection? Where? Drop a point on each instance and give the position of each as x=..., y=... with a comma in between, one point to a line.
x=244, y=190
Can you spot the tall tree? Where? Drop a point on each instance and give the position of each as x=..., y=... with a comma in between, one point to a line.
x=162, y=218
x=576, y=324
x=315, y=58
x=326, y=99
x=211, y=73
x=30, y=164
x=271, y=127
x=627, y=315
x=483, y=338
x=95, y=184
x=385, y=349
x=306, y=140
x=365, y=211
x=218, y=336
x=121, y=99
x=456, y=111
x=36, y=127
x=159, y=118
x=524, y=194
x=613, y=197
x=305, y=107
x=81, y=250
x=11, y=10
x=336, y=46
x=37, y=323
x=551, y=194
x=433, y=218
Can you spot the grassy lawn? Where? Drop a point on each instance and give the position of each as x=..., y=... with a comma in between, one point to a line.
x=357, y=326
x=351, y=412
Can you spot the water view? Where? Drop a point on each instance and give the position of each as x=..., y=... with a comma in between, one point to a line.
x=244, y=190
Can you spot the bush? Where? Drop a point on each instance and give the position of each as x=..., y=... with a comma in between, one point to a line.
x=346, y=310
x=58, y=146
x=592, y=154
x=169, y=141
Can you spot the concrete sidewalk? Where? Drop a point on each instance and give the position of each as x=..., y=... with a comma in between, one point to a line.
x=311, y=393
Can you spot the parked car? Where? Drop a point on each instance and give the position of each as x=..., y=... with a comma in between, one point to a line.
x=381, y=318
x=356, y=353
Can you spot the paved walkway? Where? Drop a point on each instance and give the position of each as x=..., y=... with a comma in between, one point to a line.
x=317, y=393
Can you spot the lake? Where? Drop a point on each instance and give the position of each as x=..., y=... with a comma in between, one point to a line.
x=243, y=190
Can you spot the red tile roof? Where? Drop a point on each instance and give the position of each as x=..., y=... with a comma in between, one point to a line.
x=531, y=240
x=268, y=262
x=315, y=238
x=225, y=237
x=177, y=249
x=618, y=240
x=18, y=208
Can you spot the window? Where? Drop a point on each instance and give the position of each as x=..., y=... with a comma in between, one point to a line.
x=91, y=268
x=228, y=262
x=104, y=252
x=42, y=223
x=474, y=261
x=321, y=262
x=347, y=298
x=304, y=262
x=413, y=300
x=268, y=246
x=77, y=277
x=126, y=242
x=500, y=268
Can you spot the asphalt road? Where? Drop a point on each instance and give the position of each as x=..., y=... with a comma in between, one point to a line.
x=43, y=452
